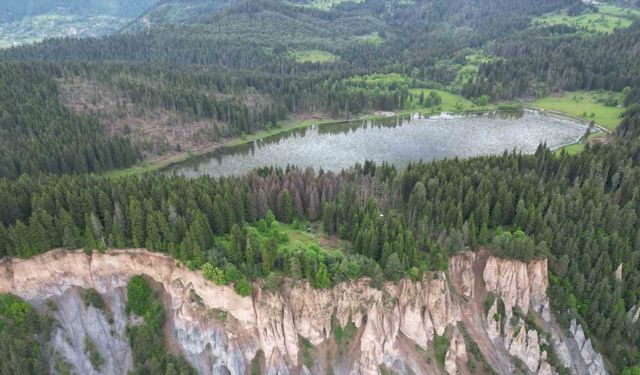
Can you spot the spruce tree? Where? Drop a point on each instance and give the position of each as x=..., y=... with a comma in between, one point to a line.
x=136, y=218
x=322, y=279
x=393, y=269
x=89, y=242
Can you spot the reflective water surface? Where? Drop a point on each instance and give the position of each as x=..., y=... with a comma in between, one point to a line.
x=396, y=140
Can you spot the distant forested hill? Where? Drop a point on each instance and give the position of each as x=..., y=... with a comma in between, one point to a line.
x=12, y=10
x=28, y=21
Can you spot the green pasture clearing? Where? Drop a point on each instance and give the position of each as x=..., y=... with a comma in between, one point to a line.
x=450, y=102
x=313, y=56
x=379, y=80
x=470, y=69
x=588, y=105
x=328, y=4
x=372, y=38
x=571, y=149
x=607, y=19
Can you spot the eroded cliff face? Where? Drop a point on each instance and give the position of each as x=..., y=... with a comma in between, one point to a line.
x=293, y=330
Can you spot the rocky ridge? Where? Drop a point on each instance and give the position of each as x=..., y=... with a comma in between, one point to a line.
x=293, y=329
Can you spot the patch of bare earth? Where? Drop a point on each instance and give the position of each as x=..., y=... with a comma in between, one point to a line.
x=329, y=241
x=161, y=132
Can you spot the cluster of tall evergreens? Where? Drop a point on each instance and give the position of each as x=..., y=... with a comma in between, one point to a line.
x=559, y=58
x=38, y=135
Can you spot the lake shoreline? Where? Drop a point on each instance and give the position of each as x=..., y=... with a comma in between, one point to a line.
x=175, y=160
x=398, y=140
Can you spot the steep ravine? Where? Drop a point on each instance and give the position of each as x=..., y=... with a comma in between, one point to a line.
x=499, y=306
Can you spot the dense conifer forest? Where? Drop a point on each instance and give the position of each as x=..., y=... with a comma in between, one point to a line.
x=579, y=211
x=39, y=135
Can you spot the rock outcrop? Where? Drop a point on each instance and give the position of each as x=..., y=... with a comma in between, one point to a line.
x=634, y=314
x=519, y=284
x=394, y=326
x=457, y=353
x=618, y=273
x=592, y=359
x=78, y=324
x=519, y=289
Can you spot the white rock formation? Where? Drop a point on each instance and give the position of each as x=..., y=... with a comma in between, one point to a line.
x=519, y=284
x=618, y=273
x=591, y=358
x=390, y=322
x=457, y=353
x=634, y=314
x=78, y=323
x=461, y=268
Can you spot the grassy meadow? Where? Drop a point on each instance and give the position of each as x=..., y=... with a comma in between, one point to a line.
x=606, y=20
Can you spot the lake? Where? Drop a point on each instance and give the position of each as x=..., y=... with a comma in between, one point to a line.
x=398, y=140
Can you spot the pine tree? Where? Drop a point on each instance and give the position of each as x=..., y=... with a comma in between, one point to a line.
x=287, y=209
x=295, y=270
x=250, y=253
x=261, y=205
x=237, y=245
x=473, y=236
x=136, y=217
x=4, y=242
x=69, y=238
x=269, y=252
x=153, y=233
x=198, y=239
x=119, y=240
x=90, y=243
x=328, y=218
x=39, y=237
x=322, y=279
x=314, y=204
x=96, y=225
x=521, y=215
x=393, y=269
x=387, y=250
x=270, y=218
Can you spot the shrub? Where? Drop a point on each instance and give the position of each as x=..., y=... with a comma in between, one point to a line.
x=243, y=287
x=94, y=355
x=91, y=297
x=138, y=295
x=214, y=274
x=343, y=334
x=232, y=274
x=488, y=302
x=14, y=308
x=440, y=346
x=143, y=302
